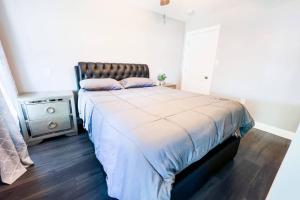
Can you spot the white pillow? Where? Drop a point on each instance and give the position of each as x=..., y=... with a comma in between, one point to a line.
x=135, y=82
x=100, y=84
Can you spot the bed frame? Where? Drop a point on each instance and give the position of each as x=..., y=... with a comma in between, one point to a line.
x=193, y=177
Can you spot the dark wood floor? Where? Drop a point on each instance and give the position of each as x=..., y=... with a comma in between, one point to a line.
x=66, y=168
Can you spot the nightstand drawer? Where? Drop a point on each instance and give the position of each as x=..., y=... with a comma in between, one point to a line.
x=43, y=110
x=49, y=125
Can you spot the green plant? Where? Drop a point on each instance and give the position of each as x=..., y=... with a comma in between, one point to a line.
x=161, y=77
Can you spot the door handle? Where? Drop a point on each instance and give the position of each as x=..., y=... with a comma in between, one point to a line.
x=205, y=77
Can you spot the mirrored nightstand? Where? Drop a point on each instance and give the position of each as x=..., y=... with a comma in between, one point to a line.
x=47, y=114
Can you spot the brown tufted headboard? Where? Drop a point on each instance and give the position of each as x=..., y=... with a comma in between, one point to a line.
x=118, y=71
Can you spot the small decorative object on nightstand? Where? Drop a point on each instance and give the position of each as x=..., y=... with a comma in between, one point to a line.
x=161, y=78
x=170, y=85
x=45, y=115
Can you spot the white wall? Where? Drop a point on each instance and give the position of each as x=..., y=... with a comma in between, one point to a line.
x=45, y=39
x=258, y=49
x=259, y=58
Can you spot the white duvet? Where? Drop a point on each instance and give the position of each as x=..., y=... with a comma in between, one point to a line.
x=143, y=137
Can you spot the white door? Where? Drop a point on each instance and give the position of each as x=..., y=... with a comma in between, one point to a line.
x=199, y=59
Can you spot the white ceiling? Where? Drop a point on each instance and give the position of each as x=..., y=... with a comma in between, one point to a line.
x=179, y=9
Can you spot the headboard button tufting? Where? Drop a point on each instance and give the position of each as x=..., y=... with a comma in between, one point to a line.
x=118, y=71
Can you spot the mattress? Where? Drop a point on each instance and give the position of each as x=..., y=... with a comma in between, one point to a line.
x=143, y=137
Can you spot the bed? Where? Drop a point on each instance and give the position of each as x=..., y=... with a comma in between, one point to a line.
x=156, y=142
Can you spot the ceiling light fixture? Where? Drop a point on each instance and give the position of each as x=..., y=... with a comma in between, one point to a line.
x=164, y=3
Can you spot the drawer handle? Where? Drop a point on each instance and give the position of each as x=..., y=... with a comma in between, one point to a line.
x=52, y=125
x=50, y=110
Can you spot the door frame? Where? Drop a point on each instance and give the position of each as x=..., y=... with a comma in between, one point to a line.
x=186, y=37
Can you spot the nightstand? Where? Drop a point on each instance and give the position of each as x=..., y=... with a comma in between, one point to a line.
x=47, y=114
x=170, y=85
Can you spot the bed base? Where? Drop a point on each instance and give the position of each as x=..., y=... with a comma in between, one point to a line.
x=190, y=180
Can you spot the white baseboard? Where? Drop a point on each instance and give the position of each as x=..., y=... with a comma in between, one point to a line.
x=274, y=130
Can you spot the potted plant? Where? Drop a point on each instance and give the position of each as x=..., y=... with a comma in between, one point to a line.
x=161, y=78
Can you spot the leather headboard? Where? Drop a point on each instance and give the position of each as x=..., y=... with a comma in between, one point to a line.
x=118, y=71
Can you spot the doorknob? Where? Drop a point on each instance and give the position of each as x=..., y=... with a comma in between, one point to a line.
x=205, y=77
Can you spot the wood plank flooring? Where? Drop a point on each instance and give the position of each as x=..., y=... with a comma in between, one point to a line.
x=66, y=168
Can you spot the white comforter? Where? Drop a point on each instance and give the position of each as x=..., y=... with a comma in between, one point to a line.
x=143, y=137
